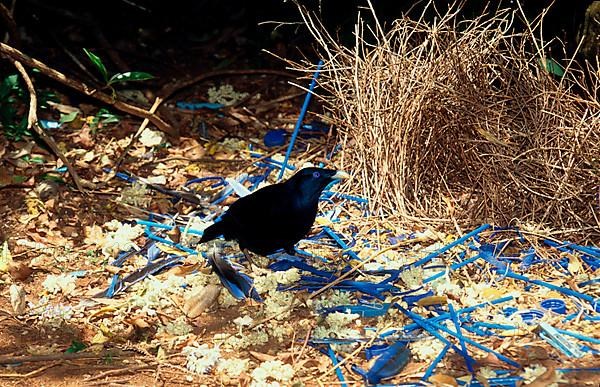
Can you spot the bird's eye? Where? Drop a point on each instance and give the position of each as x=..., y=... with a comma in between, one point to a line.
x=316, y=175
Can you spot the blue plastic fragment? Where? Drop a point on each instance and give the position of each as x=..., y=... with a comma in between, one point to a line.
x=446, y=316
x=449, y=246
x=46, y=124
x=313, y=83
x=341, y=243
x=364, y=310
x=375, y=350
x=275, y=137
x=591, y=255
x=198, y=105
x=555, y=305
x=560, y=289
x=489, y=253
x=431, y=327
x=435, y=362
x=465, y=352
x=389, y=363
x=558, y=341
x=338, y=370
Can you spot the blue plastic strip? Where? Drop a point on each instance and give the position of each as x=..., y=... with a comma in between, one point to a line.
x=313, y=83
x=560, y=289
x=450, y=245
x=446, y=316
x=424, y=322
x=340, y=242
x=435, y=362
x=168, y=227
x=453, y=267
x=338, y=370
x=468, y=359
x=579, y=336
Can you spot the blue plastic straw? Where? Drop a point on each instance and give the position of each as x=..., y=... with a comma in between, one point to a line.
x=435, y=362
x=468, y=359
x=422, y=321
x=446, y=316
x=560, y=289
x=313, y=83
x=457, y=242
x=340, y=242
x=453, y=267
x=167, y=226
x=338, y=370
x=578, y=336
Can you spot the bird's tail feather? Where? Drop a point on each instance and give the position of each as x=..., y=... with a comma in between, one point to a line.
x=212, y=232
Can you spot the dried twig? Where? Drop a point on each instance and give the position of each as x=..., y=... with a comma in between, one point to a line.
x=57, y=356
x=31, y=373
x=120, y=371
x=137, y=134
x=85, y=89
x=32, y=123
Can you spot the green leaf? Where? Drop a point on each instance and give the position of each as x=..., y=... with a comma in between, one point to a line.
x=76, y=346
x=129, y=76
x=54, y=178
x=8, y=85
x=552, y=66
x=68, y=117
x=95, y=59
x=18, y=179
x=106, y=117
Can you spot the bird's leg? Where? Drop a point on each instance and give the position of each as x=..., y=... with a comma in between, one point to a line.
x=248, y=256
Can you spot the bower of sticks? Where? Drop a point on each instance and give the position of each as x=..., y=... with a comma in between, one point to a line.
x=465, y=120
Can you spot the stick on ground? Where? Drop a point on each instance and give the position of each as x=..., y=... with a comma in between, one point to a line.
x=17, y=55
x=32, y=123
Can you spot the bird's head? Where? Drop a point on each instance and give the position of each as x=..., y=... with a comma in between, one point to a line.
x=312, y=181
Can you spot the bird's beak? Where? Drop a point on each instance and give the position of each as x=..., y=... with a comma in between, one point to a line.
x=341, y=175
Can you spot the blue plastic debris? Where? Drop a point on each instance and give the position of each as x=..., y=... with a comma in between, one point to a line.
x=555, y=305
x=530, y=316
x=311, y=88
x=275, y=137
x=336, y=364
x=389, y=363
x=198, y=105
x=558, y=341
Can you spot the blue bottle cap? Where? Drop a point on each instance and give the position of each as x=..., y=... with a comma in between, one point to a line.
x=275, y=137
x=555, y=305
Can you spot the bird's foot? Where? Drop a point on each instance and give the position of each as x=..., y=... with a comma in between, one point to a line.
x=253, y=261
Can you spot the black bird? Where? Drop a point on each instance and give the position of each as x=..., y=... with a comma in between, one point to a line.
x=277, y=216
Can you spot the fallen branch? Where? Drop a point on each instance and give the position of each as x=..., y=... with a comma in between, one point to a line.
x=57, y=356
x=85, y=89
x=155, y=106
x=32, y=123
x=29, y=374
x=119, y=371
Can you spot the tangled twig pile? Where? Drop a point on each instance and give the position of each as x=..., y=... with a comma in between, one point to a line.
x=461, y=119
